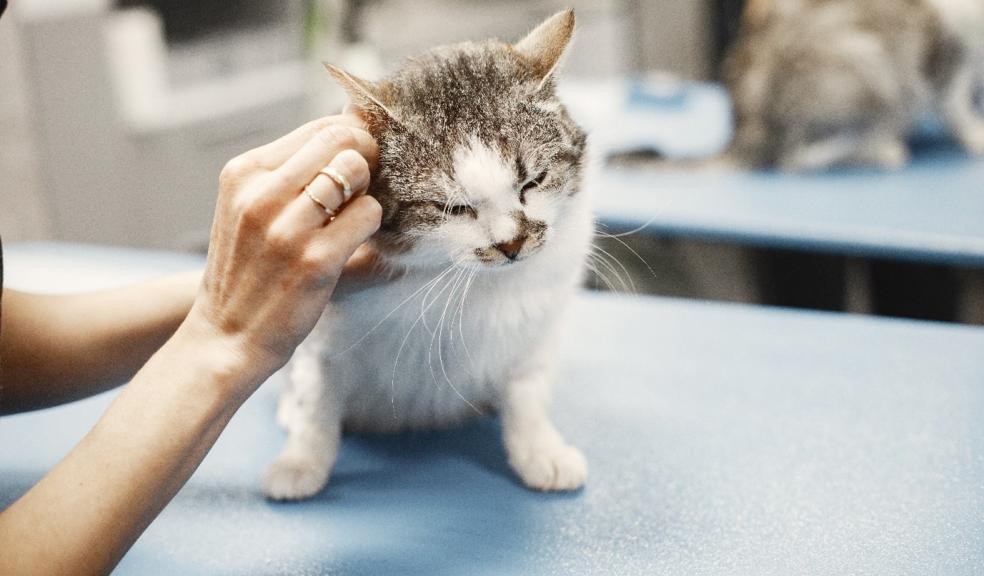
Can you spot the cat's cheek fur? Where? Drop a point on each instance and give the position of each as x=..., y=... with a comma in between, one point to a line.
x=542, y=206
x=461, y=240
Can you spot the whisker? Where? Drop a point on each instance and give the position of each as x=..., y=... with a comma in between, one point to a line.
x=601, y=275
x=461, y=319
x=440, y=344
x=423, y=302
x=430, y=349
x=604, y=258
x=612, y=258
x=610, y=270
x=403, y=344
x=635, y=230
x=632, y=250
x=398, y=306
x=438, y=334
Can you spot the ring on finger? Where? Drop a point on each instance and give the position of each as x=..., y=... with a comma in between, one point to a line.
x=339, y=179
x=331, y=213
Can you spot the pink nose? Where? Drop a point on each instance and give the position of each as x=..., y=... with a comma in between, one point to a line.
x=511, y=249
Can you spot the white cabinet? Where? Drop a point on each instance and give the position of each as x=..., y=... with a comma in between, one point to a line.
x=128, y=157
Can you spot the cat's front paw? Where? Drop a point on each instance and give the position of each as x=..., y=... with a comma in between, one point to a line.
x=890, y=155
x=294, y=478
x=550, y=466
x=973, y=140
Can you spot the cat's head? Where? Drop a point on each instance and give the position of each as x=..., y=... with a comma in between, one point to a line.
x=478, y=158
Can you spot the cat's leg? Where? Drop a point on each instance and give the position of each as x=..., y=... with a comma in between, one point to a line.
x=884, y=150
x=816, y=156
x=960, y=111
x=878, y=149
x=311, y=413
x=536, y=450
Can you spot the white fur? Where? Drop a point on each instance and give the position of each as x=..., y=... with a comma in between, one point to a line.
x=482, y=172
x=482, y=337
x=487, y=182
x=965, y=18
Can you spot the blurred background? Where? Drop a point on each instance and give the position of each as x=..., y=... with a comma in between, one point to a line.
x=138, y=103
x=116, y=117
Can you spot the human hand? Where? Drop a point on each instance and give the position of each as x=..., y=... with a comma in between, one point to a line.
x=274, y=257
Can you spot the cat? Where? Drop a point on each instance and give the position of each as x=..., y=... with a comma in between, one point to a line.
x=486, y=223
x=823, y=83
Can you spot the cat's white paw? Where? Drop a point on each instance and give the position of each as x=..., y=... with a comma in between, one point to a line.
x=549, y=466
x=890, y=155
x=294, y=478
x=973, y=140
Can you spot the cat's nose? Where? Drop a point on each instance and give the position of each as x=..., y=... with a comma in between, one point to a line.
x=511, y=249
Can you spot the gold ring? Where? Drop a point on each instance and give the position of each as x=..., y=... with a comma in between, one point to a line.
x=331, y=213
x=339, y=179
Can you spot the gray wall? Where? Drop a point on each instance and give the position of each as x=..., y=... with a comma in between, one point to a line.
x=614, y=36
x=23, y=212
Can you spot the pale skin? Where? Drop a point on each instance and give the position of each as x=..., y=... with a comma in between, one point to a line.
x=194, y=347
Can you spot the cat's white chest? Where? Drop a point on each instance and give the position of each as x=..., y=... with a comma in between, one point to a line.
x=429, y=351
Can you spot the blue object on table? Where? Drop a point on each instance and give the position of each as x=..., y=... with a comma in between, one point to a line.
x=657, y=113
x=722, y=440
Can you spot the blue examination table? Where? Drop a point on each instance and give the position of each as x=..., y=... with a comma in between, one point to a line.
x=932, y=211
x=722, y=440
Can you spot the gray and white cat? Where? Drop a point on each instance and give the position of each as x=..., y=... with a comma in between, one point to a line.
x=485, y=221
x=819, y=83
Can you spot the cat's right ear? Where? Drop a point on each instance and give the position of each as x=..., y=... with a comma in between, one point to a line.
x=544, y=47
x=363, y=95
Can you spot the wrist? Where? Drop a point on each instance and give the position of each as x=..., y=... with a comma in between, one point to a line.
x=232, y=371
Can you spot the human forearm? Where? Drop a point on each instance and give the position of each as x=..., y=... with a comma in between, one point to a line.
x=58, y=348
x=274, y=259
x=83, y=516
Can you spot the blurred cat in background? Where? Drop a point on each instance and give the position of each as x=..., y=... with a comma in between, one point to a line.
x=821, y=83
x=487, y=228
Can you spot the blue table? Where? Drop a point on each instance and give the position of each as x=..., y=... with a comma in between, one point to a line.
x=722, y=439
x=932, y=211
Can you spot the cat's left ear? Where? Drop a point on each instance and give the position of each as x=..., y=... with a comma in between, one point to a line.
x=365, y=95
x=544, y=47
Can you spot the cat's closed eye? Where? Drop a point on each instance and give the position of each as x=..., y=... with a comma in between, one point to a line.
x=530, y=185
x=460, y=210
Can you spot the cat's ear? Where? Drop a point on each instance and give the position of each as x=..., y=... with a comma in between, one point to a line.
x=363, y=94
x=543, y=48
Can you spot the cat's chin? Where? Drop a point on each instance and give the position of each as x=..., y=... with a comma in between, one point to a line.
x=497, y=267
x=506, y=265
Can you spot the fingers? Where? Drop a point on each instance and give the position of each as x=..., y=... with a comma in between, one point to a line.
x=271, y=156
x=316, y=153
x=364, y=270
x=302, y=214
x=344, y=177
x=357, y=221
x=363, y=261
